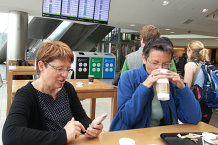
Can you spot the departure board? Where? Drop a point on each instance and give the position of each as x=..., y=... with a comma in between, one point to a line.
x=69, y=9
x=96, y=11
x=51, y=8
x=102, y=10
x=86, y=9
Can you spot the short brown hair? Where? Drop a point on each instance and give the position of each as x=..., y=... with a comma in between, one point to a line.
x=149, y=32
x=162, y=44
x=52, y=50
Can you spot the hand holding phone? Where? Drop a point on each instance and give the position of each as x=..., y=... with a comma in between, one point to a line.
x=98, y=120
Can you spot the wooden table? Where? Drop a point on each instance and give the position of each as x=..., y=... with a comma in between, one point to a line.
x=17, y=70
x=145, y=136
x=98, y=89
x=14, y=61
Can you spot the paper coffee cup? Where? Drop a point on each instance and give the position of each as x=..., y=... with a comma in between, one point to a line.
x=90, y=79
x=163, y=88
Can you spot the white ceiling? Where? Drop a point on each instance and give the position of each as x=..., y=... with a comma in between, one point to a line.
x=140, y=12
x=143, y=12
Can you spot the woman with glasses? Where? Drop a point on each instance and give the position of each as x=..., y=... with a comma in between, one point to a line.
x=47, y=111
x=137, y=104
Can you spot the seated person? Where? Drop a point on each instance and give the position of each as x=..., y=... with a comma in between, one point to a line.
x=47, y=111
x=137, y=103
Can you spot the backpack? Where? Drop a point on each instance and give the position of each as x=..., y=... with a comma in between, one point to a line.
x=210, y=83
x=199, y=96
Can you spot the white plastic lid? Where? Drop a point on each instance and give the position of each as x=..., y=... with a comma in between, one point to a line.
x=126, y=141
x=163, y=70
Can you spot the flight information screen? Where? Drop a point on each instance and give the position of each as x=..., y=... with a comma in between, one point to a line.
x=102, y=10
x=70, y=9
x=96, y=11
x=51, y=8
x=86, y=9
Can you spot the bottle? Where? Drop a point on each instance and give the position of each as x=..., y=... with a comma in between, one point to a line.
x=208, y=85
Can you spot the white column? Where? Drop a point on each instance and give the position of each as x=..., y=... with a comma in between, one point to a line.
x=17, y=35
x=102, y=49
x=109, y=48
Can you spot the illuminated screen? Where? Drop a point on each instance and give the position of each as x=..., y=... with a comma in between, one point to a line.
x=69, y=9
x=101, y=10
x=51, y=8
x=96, y=11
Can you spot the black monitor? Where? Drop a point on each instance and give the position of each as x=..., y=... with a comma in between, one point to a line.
x=96, y=11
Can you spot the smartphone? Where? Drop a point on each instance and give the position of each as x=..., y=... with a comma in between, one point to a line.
x=98, y=120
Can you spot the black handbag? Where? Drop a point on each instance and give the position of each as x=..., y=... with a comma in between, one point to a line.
x=116, y=79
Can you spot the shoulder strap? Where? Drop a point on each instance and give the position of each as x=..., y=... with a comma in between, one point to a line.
x=196, y=73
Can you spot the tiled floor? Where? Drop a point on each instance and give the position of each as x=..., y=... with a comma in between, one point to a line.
x=102, y=106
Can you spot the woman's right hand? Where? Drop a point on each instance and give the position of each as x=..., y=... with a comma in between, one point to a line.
x=73, y=130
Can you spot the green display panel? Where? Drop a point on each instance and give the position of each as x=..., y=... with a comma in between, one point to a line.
x=96, y=67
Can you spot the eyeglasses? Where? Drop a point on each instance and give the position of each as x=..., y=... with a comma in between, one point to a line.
x=59, y=70
x=163, y=65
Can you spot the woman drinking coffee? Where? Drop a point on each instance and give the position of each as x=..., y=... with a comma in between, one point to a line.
x=138, y=105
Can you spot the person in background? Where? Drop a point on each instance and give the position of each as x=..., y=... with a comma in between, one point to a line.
x=137, y=103
x=195, y=51
x=195, y=75
x=132, y=60
x=47, y=111
x=182, y=62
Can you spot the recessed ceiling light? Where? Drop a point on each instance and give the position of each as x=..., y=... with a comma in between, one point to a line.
x=167, y=29
x=132, y=25
x=204, y=10
x=172, y=32
x=165, y=3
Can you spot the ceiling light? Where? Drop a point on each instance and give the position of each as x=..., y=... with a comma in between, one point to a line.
x=167, y=29
x=132, y=25
x=204, y=10
x=172, y=32
x=165, y=3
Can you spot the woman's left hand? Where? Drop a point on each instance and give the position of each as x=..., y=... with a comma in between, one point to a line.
x=175, y=79
x=94, y=132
